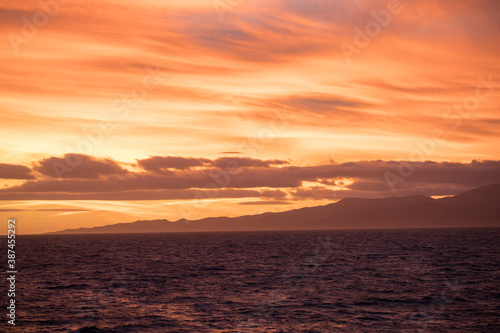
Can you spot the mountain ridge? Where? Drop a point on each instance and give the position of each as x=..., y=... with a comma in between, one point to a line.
x=474, y=208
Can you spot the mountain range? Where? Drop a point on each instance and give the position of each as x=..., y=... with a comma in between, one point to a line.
x=479, y=207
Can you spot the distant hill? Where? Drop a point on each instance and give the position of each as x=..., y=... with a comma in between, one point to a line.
x=479, y=207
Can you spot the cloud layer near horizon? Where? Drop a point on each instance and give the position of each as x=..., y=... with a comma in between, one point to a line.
x=82, y=177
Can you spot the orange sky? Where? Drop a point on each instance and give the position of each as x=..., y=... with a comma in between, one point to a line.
x=113, y=111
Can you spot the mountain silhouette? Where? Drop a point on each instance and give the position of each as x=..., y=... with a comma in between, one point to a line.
x=479, y=207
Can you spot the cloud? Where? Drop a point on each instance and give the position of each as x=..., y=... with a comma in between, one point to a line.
x=190, y=195
x=276, y=179
x=78, y=166
x=13, y=171
x=257, y=203
x=324, y=105
x=161, y=163
x=238, y=162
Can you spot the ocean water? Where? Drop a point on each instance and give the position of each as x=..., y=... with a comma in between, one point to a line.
x=444, y=280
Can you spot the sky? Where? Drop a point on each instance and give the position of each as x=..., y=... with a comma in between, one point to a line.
x=116, y=111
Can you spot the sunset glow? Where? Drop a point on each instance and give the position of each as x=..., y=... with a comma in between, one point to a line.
x=117, y=111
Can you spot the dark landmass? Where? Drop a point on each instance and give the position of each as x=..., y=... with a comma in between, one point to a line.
x=479, y=207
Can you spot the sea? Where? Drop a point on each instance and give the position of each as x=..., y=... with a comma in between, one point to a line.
x=410, y=280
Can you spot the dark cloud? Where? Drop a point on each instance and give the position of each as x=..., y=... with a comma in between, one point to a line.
x=78, y=166
x=183, y=194
x=207, y=178
x=319, y=193
x=248, y=177
x=330, y=182
x=13, y=171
